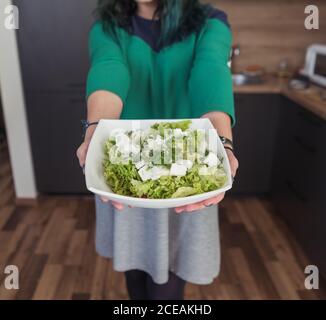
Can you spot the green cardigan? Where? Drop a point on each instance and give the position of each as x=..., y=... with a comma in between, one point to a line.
x=183, y=80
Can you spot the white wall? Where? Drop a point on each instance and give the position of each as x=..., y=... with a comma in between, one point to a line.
x=14, y=111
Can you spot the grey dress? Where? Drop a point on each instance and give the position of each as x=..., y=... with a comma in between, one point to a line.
x=160, y=240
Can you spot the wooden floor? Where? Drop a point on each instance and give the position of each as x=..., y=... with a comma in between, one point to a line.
x=53, y=246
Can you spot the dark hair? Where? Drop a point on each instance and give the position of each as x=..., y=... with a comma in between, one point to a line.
x=178, y=17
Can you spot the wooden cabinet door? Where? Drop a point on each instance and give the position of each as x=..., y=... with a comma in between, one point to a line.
x=56, y=132
x=53, y=43
x=310, y=141
x=299, y=178
x=287, y=197
x=254, y=139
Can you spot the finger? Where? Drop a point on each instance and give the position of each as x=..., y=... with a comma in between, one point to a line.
x=117, y=205
x=215, y=200
x=233, y=172
x=211, y=201
x=221, y=197
x=80, y=160
x=104, y=199
x=201, y=205
x=180, y=209
x=234, y=169
x=195, y=207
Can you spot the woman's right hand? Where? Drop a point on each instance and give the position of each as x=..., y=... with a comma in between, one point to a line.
x=81, y=155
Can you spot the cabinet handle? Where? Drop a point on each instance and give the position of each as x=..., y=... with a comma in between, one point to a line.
x=304, y=145
x=308, y=118
x=295, y=191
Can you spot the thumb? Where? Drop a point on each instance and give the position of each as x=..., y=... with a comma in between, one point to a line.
x=81, y=154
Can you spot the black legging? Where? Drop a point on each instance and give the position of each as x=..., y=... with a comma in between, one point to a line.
x=141, y=286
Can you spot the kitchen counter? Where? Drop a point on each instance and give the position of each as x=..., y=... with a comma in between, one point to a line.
x=309, y=98
x=270, y=84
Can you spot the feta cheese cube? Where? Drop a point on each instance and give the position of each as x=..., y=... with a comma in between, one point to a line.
x=121, y=139
x=123, y=143
x=201, y=148
x=199, y=157
x=140, y=164
x=134, y=148
x=145, y=173
x=147, y=133
x=187, y=163
x=159, y=140
x=116, y=132
x=159, y=171
x=151, y=144
x=178, y=170
x=177, y=133
x=136, y=137
x=212, y=160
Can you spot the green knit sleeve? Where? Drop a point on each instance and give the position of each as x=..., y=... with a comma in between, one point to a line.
x=210, y=82
x=108, y=69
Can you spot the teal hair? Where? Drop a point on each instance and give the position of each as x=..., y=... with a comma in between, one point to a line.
x=178, y=17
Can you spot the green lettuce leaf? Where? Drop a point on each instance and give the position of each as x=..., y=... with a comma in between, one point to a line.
x=184, y=192
x=183, y=125
x=124, y=180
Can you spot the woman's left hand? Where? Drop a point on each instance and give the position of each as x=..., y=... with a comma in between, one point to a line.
x=234, y=164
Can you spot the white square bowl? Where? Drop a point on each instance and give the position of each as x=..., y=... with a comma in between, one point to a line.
x=94, y=175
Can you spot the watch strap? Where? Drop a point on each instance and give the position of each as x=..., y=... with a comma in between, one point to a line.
x=86, y=124
x=226, y=141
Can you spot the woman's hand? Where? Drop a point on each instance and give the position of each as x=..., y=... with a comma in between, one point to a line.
x=82, y=152
x=101, y=104
x=81, y=155
x=234, y=164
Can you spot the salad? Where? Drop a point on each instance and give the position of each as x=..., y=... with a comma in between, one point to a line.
x=167, y=160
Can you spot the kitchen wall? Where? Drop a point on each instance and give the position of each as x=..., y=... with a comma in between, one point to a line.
x=13, y=104
x=269, y=31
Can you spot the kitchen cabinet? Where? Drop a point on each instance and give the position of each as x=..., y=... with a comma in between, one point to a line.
x=53, y=43
x=56, y=133
x=299, y=178
x=53, y=48
x=254, y=140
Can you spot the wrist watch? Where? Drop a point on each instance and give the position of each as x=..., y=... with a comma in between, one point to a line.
x=226, y=141
x=86, y=124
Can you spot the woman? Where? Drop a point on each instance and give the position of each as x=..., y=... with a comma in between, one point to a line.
x=160, y=59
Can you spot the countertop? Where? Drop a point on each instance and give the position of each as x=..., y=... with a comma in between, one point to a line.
x=309, y=98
